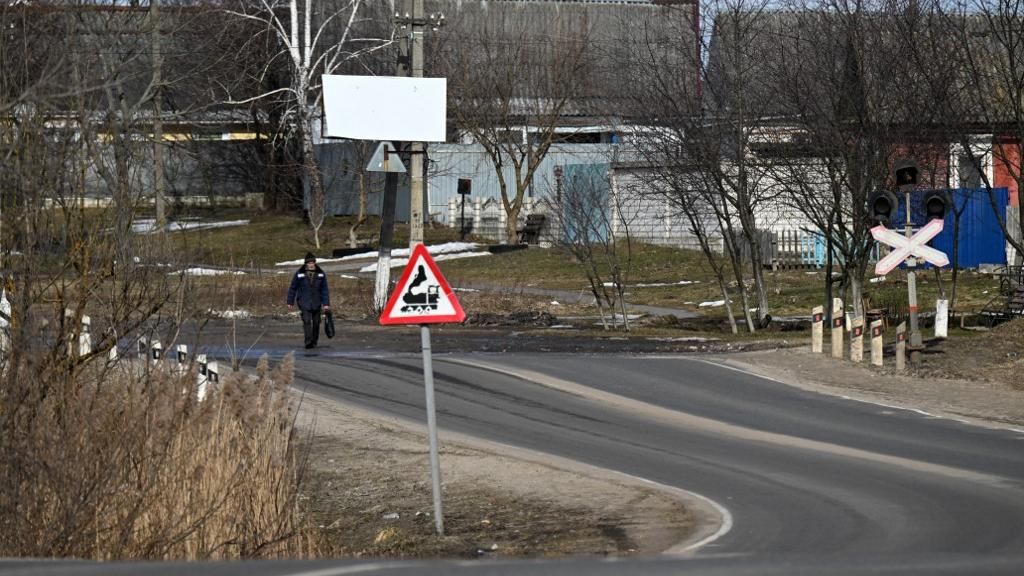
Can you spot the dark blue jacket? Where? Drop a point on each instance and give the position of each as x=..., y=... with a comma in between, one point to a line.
x=309, y=290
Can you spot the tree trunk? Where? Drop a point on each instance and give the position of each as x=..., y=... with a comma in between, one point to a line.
x=361, y=219
x=317, y=198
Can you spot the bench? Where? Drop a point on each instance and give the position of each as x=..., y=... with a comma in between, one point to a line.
x=530, y=232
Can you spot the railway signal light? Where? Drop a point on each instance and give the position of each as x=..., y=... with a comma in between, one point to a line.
x=882, y=207
x=935, y=205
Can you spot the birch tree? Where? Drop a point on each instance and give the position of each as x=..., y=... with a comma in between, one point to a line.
x=315, y=39
x=703, y=118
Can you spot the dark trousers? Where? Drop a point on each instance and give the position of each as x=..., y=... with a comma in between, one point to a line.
x=311, y=327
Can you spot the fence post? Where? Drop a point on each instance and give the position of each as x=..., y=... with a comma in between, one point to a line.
x=502, y=222
x=876, y=342
x=478, y=216
x=817, y=328
x=857, y=340
x=942, y=318
x=901, y=346
x=837, y=327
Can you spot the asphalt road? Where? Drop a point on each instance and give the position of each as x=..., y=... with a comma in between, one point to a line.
x=810, y=483
x=799, y=473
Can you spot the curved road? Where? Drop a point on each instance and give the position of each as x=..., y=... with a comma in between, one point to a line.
x=800, y=473
x=813, y=484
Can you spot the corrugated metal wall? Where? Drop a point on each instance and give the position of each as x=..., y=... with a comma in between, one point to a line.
x=980, y=239
x=449, y=162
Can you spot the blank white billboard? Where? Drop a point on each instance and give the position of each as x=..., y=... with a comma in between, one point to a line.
x=385, y=108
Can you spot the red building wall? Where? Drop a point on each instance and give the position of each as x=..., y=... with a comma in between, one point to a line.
x=1006, y=168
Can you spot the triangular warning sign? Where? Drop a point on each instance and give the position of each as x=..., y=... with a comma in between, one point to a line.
x=422, y=295
x=385, y=159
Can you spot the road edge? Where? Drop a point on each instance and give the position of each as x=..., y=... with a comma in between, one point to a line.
x=711, y=520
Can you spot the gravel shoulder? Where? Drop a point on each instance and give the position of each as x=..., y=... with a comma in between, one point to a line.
x=368, y=491
x=982, y=401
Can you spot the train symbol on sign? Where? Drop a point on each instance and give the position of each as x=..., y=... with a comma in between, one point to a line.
x=422, y=300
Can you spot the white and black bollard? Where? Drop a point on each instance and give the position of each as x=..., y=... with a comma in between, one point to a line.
x=201, y=377
x=942, y=318
x=837, y=328
x=212, y=373
x=85, y=337
x=857, y=339
x=876, y=342
x=817, y=329
x=156, y=351
x=901, y=346
x=181, y=355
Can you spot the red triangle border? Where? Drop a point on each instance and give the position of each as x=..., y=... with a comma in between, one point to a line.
x=385, y=317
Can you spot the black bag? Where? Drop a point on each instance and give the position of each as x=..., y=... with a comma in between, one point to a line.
x=329, y=324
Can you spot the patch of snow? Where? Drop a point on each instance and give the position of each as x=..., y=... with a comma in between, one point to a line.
x=877, y=279
x=659, y=284
x=556, y=303
x=711, y=304
x=148, y=225
x=231, y=314
x=446, y=248
x=207, y=272
x=397, y=263
x=349, y=277
x=465, y=289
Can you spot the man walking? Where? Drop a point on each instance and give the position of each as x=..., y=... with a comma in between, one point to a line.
x=309, y=289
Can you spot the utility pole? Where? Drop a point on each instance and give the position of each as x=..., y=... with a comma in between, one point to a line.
x=158, y=125
x=417, y=24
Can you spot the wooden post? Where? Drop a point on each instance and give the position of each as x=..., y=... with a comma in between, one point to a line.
x=837, y=328
x=817, y=328
x=901, y=346
x=876, y=342
x=857, y=340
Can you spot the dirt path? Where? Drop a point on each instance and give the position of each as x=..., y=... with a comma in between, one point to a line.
x=369, y=490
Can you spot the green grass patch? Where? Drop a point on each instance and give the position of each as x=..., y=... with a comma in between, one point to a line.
x=271, y=238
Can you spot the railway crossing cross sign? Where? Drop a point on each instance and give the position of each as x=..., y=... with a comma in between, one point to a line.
x=904, y=247
x=422, y=295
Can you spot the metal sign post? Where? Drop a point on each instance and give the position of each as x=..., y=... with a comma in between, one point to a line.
x=422, y=296
x=435, y=460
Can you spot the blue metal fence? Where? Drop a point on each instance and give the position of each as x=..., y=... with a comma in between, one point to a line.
x=980, y=237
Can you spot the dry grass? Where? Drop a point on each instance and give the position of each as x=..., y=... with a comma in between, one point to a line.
x=117, y=462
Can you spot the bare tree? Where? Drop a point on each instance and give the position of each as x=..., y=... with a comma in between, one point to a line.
x=701, y=122
x=513, y=78
x=594, y=230
x=979, y=49
x=314, y=39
